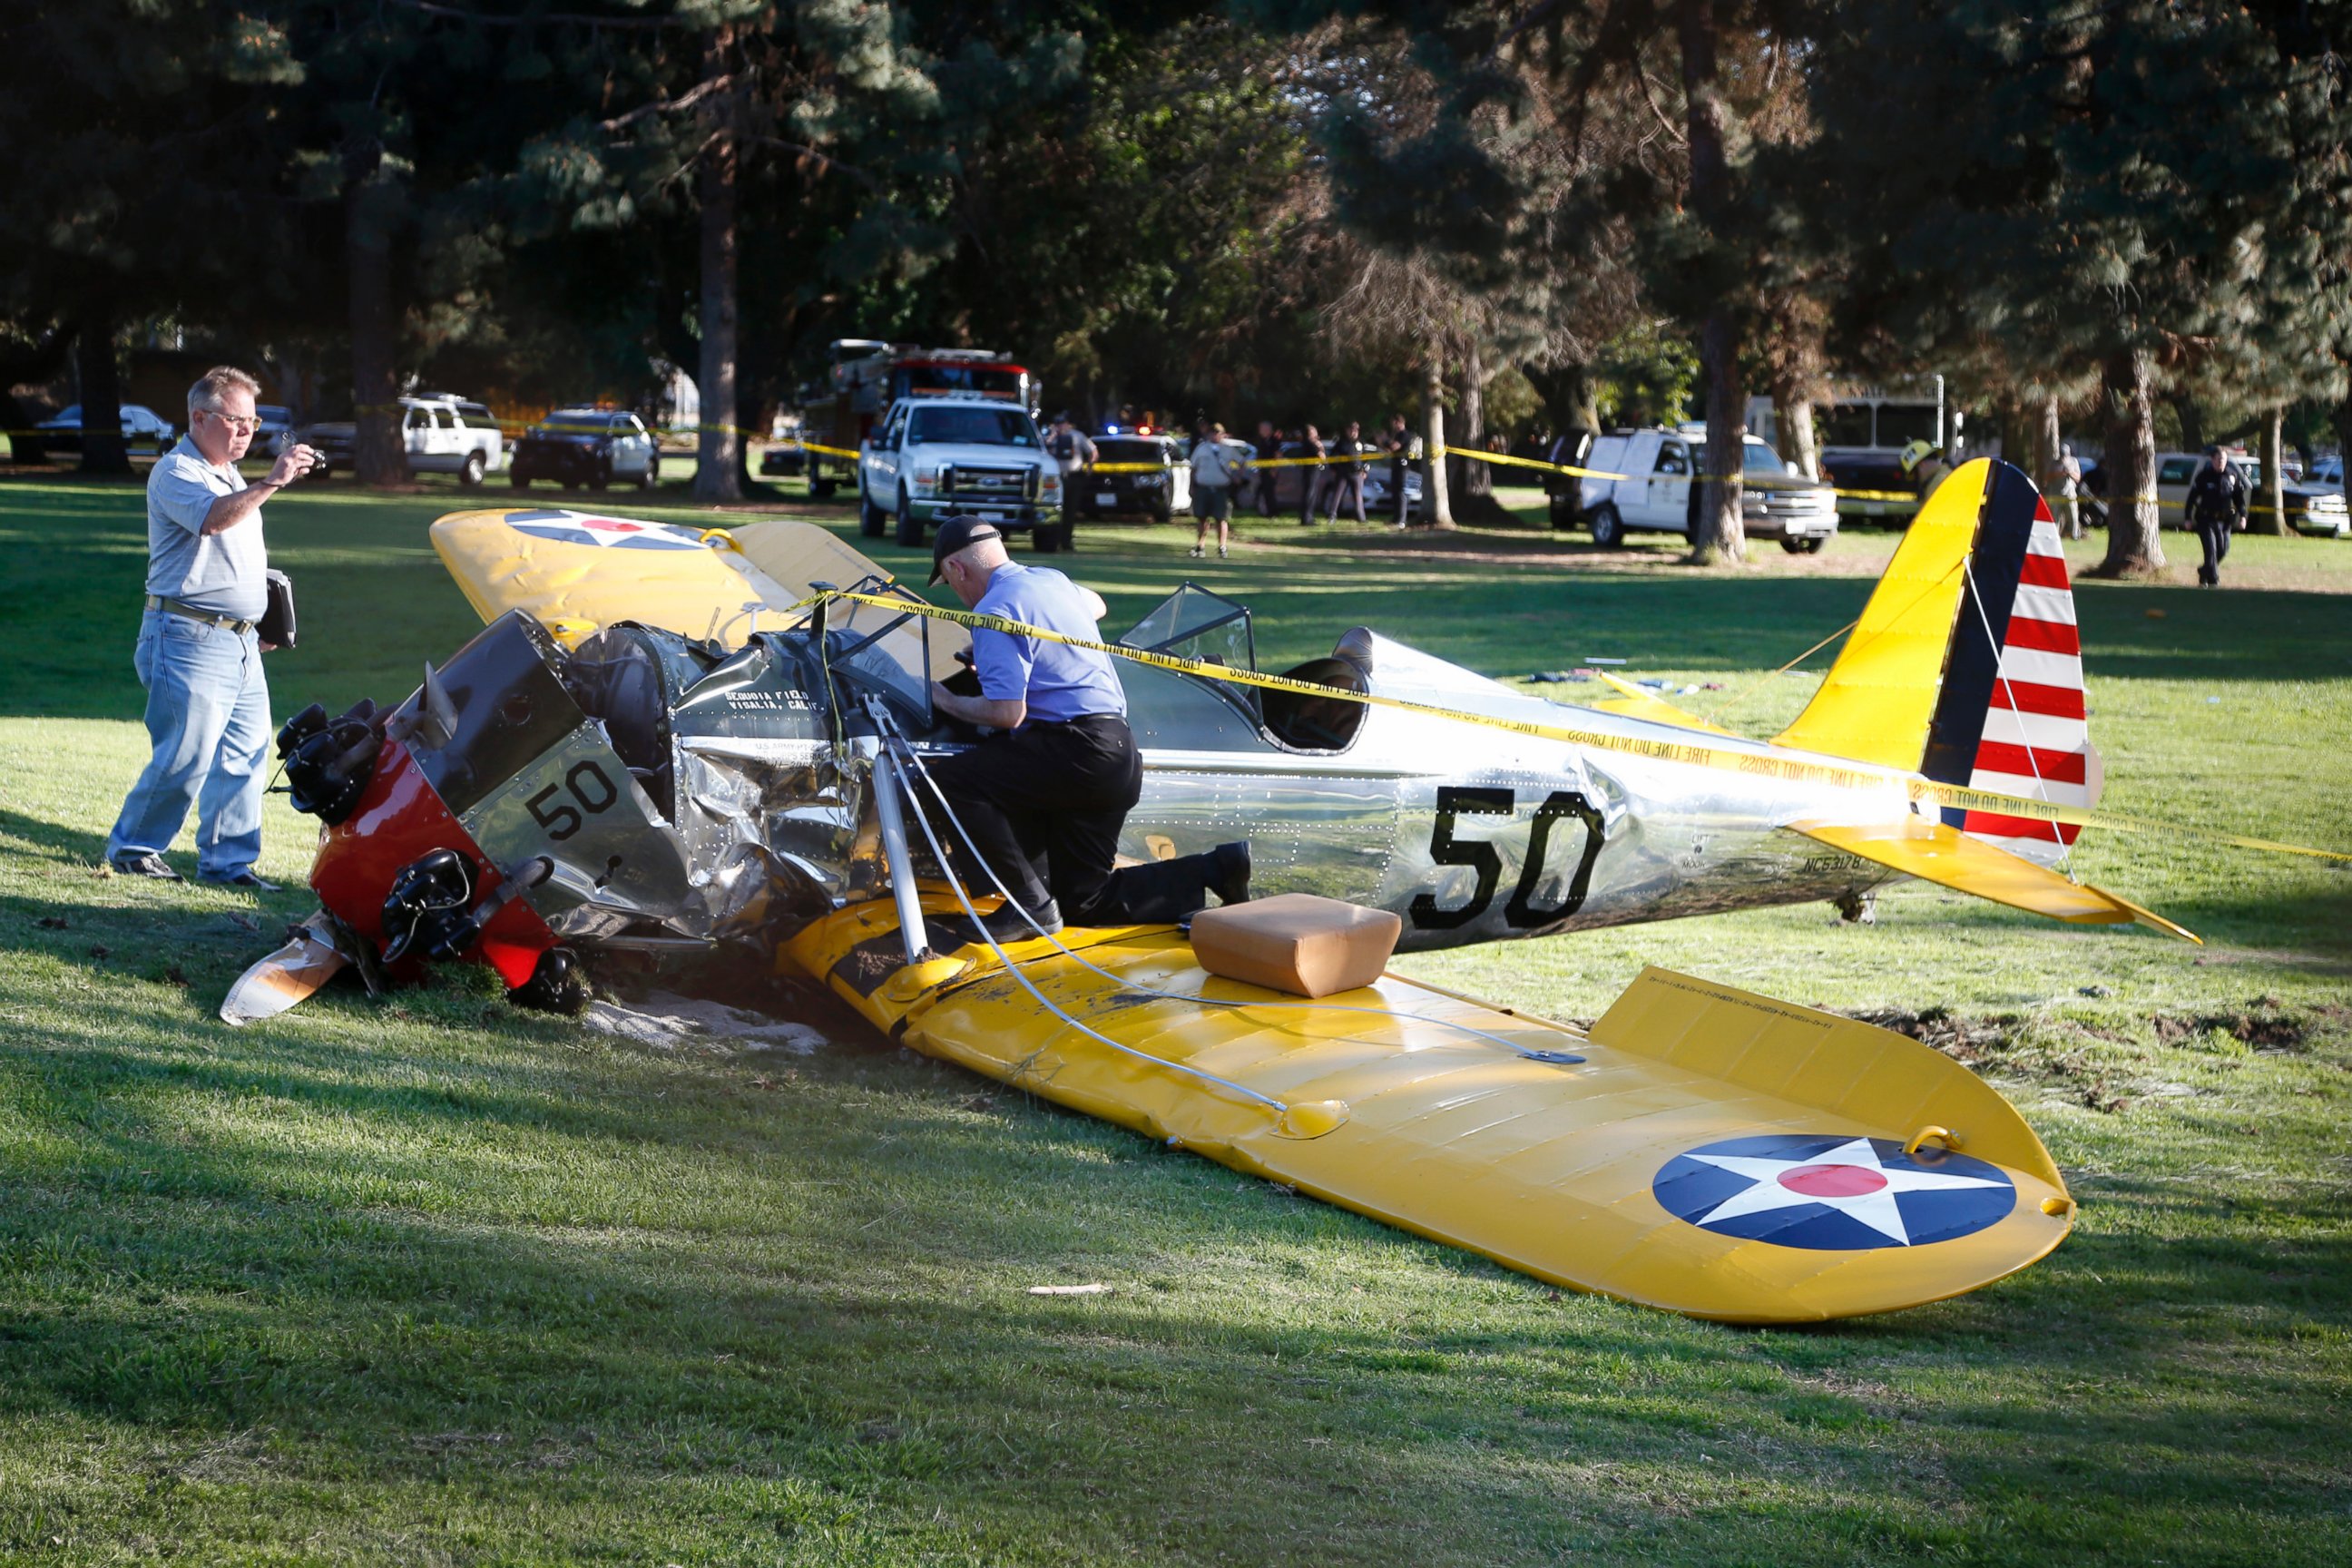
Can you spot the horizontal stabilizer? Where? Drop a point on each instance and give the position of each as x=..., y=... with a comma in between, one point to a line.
x=1938, y=853
x=1639, y=702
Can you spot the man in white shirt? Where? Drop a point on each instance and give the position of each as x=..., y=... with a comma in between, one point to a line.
x=198, y=654
x=1218, y=466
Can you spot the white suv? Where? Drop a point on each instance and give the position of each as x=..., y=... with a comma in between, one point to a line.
x=1776, y=502
x=937, y=456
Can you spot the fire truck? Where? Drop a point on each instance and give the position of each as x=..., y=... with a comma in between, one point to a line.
x=868, y=376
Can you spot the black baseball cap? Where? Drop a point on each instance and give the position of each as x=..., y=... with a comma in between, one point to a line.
x=959, y=533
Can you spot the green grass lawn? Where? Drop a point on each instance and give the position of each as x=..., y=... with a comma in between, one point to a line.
x=434, y=1281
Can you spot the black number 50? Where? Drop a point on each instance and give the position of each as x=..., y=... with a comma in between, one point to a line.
x=1520, y=913
x=563, y=819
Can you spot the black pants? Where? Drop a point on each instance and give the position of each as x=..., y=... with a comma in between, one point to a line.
x=1345, y=483
x=1044, y=804
x=2214, y=535
x=1397, y=492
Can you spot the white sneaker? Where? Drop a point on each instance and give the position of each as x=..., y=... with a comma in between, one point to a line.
x=1223, y=554
x=1196, y=552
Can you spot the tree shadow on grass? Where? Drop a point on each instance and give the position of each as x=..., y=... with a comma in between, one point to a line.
x=426, y=1264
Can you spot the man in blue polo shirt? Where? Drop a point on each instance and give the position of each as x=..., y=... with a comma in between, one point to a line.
x=199, y=656
x=1056, y=783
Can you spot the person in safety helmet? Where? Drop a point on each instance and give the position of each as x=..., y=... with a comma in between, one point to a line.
x=1923, y=461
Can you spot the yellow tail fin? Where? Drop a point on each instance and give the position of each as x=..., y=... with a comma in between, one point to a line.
x=1877, y=700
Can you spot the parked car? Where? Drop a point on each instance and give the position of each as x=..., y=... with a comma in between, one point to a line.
x=592, y=447
x=1162, y=489
x=1777, y=501
x=960, y=453
x=2311, y=506
x=142, y=427
x=2328, y=471
x=443, y=434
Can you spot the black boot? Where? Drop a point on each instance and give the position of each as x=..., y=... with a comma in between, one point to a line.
x=1230, y=876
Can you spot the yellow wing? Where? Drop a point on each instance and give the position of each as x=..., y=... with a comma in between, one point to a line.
x=1583, y=1159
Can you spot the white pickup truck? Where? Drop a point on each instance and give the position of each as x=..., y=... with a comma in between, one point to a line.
x=934, y=457
x=444, y=434
x=1777, y=502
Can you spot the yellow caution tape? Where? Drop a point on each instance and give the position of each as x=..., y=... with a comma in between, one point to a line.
x=1764, y=764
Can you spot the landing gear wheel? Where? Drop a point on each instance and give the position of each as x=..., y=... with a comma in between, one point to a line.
x=869, y=516
x=1608, y=528
x=911, y=526
x=560, y=985
x=476, y=466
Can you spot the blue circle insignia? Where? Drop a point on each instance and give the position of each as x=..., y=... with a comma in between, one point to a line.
x=1833, y=1191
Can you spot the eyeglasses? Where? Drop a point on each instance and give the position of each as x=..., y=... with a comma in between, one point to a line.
x=248, y=424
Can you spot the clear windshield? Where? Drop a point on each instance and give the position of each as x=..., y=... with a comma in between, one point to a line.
x=974, y=427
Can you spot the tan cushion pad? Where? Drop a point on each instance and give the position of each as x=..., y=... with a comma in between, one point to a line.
x=1297, y=942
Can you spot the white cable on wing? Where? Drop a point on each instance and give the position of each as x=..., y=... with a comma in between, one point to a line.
x=915, y=762
x=956, y=886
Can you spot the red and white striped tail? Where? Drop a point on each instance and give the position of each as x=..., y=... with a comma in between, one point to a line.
x=2037, y=734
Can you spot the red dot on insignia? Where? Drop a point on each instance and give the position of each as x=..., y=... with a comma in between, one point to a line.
x=1833, y=1181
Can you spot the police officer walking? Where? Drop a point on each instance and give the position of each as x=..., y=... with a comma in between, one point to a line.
x=1044, y=800
x=2217, y=509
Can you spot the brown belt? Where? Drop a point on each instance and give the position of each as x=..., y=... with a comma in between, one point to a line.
x=210, y=617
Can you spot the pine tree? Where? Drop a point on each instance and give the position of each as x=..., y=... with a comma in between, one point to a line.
x=2141, y=186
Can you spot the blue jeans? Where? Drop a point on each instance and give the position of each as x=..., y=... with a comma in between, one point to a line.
x=208, y=716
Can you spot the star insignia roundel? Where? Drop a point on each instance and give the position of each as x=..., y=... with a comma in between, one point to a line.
x=1833, y=1191
x=607, y=533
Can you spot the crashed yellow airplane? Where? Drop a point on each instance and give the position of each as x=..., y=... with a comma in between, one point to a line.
x=675, y=741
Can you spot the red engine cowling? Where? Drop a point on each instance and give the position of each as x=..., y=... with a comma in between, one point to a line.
x=399, y=819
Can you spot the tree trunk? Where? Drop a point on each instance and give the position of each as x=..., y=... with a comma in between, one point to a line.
x=719, y=451
x=1571, y=396
x=2269, y=510
x=2045, y=445
x=2134, y=549
x=1432, y=415
x=1721, y=539
x=102, y=449
x=1477, y=477
x=1794, y=410
x=370, y=208
x=2192, y=415
x=2340, y=421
